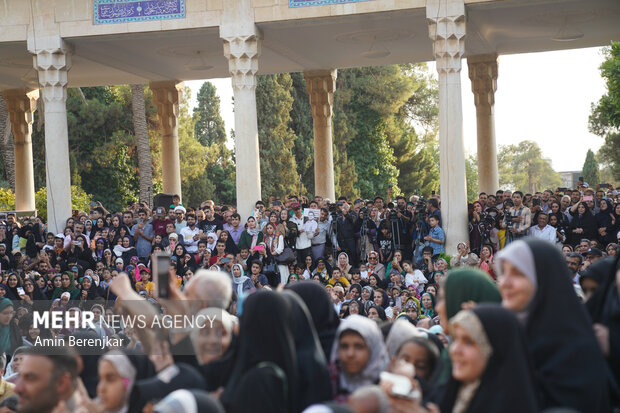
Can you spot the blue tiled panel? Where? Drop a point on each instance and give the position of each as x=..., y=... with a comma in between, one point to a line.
x=302, y=3
x=123, y=11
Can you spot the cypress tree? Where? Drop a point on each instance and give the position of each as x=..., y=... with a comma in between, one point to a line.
x=274, y=103
x=590, y=171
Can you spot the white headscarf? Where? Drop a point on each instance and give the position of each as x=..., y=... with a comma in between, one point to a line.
x=378, y=361
x=178, y=401
x=520, y=255
x=401, y=331
x=239, y=281
x=211, y=246
x=126, y=370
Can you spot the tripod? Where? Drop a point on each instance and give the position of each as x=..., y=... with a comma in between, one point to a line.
x=396, y=233
x=363, y=238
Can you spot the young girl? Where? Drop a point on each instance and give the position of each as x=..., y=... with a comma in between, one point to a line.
x=413, y=276
x=118, y=373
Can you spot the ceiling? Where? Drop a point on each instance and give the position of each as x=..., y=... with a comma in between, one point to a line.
x=504, y=27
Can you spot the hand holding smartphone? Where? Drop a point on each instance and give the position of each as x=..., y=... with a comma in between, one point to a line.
x=161, y=271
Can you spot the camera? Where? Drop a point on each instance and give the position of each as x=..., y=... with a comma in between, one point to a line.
x=364, y=212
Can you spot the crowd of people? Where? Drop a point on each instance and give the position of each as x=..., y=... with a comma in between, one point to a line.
x=319, y=306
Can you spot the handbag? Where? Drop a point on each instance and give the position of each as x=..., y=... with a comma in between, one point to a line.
x=287, y=256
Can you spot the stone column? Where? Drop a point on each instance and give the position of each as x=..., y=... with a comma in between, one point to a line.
x=52, y=59
x=321, y=85
x=446, y=24
x=483, y=75
x=242, y=52
x=167, y=96
x=21, y=104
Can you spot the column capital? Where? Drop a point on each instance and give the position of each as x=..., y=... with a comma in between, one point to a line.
x=242, y=52
x=446, y=28
x=321, y=85
x=52, y=60
x=167, y=95
x=21, y=104
x=483, y=76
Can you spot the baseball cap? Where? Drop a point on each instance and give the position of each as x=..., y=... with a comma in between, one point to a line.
x=595, y=252
x=59, y=235
x=160, y=212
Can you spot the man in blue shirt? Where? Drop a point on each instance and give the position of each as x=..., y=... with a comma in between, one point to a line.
x=143, y=234
x=436, y=237
x=259, y=279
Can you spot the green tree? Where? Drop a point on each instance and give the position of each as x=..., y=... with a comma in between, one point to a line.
x=209, y=127
x=193, y=157
x=302, y=126
x=366, y=101
x=471, y=175
x=605, y=117
x=276, y=138
x=590, y=170
x=523, y=167
x=6, y=145
x=80, y=200
x=217, y=182
x=100, y=123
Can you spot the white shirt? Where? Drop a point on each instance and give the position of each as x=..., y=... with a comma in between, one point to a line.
x=188, y=239
x=547, y=233
x=304, y=240
x=415, y=279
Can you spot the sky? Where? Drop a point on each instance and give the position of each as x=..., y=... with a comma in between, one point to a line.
x=544, y=97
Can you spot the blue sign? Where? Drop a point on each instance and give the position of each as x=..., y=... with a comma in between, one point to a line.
x=304, y=3
x=124, y=11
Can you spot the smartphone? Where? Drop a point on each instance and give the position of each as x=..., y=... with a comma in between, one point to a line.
x=161, y=267
x=277, y=203
x=588, y=198
x=93, y=204
x=225, y=260
x=432, y=192
x=401, y=386
x=603, y=185
x=259, y=248
x=20, y=291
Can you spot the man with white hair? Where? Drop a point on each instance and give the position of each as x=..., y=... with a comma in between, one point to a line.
x=209, y=289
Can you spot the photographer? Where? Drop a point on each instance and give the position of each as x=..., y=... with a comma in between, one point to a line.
x=345, y=229
x=433, y=210
x=367, y=230
x=517, y=219
x=401, y=231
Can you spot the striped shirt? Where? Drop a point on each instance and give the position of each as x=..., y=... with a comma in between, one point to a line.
x=526, y=218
